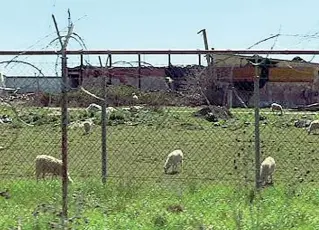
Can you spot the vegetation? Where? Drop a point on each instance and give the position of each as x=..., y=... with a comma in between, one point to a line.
x=124, y=205
x=214, y=191
x=119, y=96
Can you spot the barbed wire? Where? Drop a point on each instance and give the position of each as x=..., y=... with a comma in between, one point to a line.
x=76, y=37
x=23, y=62
x=13, y=61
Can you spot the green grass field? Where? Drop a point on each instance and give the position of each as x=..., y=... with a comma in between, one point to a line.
x=127, y=206
x=214, y=190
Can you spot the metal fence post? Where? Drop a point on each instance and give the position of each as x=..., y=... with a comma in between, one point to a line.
x=64, y=130
x=139, y=71
x=81, y=69
x=229, y=97
x=104, y=121
x=257, y=138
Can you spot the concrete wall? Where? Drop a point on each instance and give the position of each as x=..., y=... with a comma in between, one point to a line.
x=147, y=83
x=288, y=94
x=33, y=84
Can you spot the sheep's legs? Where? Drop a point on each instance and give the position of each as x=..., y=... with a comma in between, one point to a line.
x=271, y=179
x=43, y=174
x=37, y=175
x=54, y=176
x=174, y=168
x=268, y=180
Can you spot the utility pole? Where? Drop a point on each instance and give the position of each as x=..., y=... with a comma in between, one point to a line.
x=203, y=31
x=209, y=59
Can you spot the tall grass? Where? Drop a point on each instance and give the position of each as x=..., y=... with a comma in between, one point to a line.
x=130, y=205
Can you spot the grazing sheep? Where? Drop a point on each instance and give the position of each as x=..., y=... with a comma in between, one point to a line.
x=93, y=107
x=48, y=164
x=169, y=80
x=110, y=109
x=135, y=97
x=135, y=108
x=87, y=127
x=313, y=125
x=170, y=83
x=173, y=159
x=277, y=107
x=267, y=168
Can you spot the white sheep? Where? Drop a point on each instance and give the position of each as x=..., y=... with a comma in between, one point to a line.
x=135, y=97
x=313, y=125
x=110, y=109
x=87, y=127
x=169, y=80
x=173, y=159
x=48, y=164
x=277, y=107
x=134, y=108
x=267, y=168
x=93, y=107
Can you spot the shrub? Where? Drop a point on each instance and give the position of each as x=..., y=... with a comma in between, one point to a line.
x=120, y=95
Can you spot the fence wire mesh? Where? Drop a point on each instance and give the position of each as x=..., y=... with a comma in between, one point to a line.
x=207, y=112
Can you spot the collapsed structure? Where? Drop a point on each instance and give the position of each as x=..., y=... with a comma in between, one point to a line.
x=289, y=83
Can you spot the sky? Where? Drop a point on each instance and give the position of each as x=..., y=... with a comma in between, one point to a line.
x=141, y=24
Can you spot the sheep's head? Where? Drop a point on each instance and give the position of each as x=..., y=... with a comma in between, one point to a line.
x=87, y=127
x=166, y=166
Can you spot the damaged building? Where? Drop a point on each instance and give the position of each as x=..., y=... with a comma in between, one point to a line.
x=289, y=82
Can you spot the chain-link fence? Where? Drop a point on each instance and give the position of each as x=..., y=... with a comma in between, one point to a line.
x=125, y=117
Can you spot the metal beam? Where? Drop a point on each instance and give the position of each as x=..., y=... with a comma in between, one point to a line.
x=158, y=52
